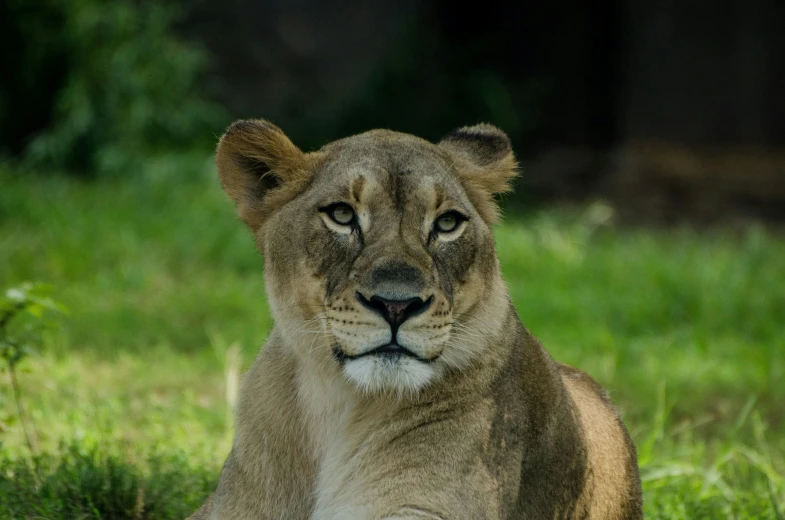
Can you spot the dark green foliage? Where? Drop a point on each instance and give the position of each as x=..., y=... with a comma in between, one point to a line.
x=427, y=85
x=82, y=484
x=33, y=68
x=106, y=83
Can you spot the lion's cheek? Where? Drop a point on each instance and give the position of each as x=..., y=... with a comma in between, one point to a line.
x=468, y=293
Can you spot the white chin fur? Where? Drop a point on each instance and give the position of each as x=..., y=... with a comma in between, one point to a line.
x=402, y=375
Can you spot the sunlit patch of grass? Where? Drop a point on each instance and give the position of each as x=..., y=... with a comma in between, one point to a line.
x=687, y=476
x=162, y=399
x=684, y=327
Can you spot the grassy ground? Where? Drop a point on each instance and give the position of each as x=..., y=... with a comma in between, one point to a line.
x=131, y=396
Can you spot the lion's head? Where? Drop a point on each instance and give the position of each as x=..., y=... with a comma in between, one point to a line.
x=379, y=257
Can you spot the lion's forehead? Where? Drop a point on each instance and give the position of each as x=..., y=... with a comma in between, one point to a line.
x=396, y=172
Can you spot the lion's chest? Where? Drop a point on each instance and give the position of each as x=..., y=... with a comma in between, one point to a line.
x=328, y=407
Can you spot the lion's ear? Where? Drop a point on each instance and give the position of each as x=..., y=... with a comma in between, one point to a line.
x=256, y=163
x=488, y=164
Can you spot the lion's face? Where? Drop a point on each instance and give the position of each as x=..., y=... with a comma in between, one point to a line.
x=379, y=257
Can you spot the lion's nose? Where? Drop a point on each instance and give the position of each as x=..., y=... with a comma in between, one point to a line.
x=395, y=312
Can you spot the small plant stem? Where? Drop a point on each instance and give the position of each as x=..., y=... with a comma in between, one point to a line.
x=20, y=409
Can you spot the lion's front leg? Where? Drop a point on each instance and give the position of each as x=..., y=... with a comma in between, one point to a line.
x=415, y=495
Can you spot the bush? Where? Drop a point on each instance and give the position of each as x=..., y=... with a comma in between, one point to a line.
x=127, y=85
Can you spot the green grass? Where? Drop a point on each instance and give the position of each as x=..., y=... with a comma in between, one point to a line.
x=130, y=396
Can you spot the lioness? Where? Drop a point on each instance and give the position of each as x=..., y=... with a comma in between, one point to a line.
x=398, y=381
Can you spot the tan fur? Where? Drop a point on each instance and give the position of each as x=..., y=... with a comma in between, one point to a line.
x=476, y=421
x=604, y=433
x=493, y=175
x=260, y=142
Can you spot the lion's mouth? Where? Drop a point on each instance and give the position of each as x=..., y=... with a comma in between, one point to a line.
x=390, y=351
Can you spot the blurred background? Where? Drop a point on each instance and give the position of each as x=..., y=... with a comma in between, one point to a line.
x=670, y=109
x=644, y=241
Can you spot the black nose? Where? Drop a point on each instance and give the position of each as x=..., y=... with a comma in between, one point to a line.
x=395, y=312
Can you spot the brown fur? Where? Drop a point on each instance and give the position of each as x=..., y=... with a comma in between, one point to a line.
x=478, y=423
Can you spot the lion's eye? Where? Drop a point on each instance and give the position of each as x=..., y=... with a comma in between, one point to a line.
x=448, y=222
x=342, y=214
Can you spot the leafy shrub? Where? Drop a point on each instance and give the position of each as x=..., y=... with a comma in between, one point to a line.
x=129, y=86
